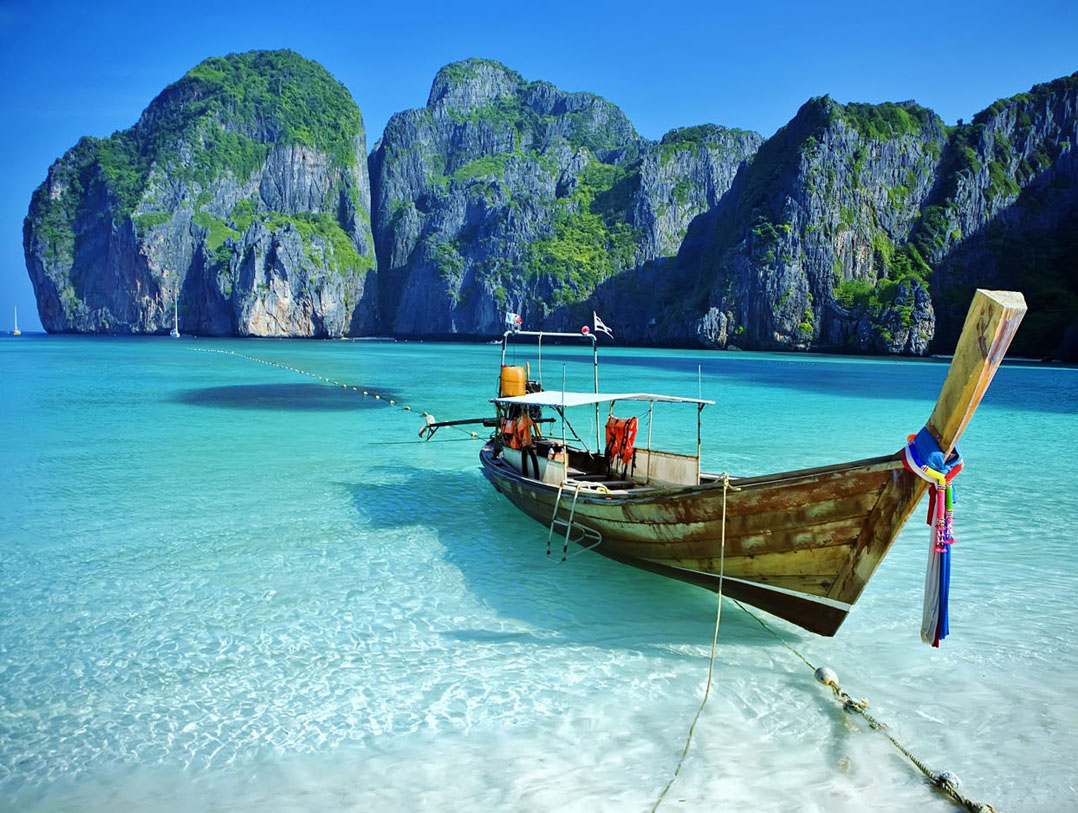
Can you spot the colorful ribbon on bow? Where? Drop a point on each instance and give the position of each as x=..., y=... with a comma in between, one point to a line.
x=923, y=457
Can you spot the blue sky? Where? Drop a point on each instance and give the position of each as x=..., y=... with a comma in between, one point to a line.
x=74, y=69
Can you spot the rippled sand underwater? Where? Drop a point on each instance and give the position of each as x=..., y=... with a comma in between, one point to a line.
x=228, y=585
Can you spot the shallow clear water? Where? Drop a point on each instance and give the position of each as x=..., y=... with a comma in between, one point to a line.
x=227, y=585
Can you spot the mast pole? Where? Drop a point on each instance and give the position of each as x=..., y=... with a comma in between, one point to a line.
x=564, y=442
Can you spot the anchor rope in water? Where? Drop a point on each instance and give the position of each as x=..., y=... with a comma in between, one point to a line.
x=366, y=393
x=714, y=642
x=946, y=781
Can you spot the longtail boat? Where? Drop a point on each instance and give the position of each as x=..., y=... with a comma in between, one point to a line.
x=801, y=545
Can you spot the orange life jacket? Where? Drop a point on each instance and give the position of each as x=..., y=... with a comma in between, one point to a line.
x=620, y=438
x=509, y=434
x=525, y=426
x=517, y=433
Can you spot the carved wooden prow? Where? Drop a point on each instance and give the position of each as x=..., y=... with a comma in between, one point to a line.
x=991, y=322
x=992, y=319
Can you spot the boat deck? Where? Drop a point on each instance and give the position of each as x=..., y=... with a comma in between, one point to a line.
x=587, y=471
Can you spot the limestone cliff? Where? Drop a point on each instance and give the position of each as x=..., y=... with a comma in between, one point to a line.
x=1004, y=214
x=503, y=194
x=243, y=190
x=241, y=194
x=801, y=252
x=855, y=227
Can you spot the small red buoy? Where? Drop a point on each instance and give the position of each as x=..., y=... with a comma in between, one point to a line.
x=584, y=330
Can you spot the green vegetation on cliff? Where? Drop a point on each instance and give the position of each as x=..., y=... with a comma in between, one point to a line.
x=320, y=228
x=467, y=70
x=881, y=122
x=597, y=125
x=277, y=97
x=591, y=240
x=226, y=113
x=690, y=139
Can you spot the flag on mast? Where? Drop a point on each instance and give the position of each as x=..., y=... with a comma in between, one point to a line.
x=599, y=327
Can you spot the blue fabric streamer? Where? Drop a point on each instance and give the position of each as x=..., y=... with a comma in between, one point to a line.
x=942, y=626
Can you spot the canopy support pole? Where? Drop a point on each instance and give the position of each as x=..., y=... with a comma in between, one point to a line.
x=699, y=421
x=595, y=364
x=647, y=473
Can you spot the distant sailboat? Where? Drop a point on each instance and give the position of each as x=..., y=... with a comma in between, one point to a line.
x=16, y=332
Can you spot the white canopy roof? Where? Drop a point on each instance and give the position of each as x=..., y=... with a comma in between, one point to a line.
x=560, y=399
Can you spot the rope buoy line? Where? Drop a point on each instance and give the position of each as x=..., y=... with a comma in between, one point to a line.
x=366, y=393
x=946, y=781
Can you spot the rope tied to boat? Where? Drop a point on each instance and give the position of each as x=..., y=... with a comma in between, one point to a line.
x=714, y=641
x=923, y=457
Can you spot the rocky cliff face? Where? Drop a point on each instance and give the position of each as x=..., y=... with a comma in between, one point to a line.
x=854, y=228
x=504, y=194
x=802, y=251
x=240, y=196
x=685, y=174
x=1004, y=214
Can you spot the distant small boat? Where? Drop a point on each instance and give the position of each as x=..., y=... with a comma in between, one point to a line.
x=16, y=332
x=801, y=545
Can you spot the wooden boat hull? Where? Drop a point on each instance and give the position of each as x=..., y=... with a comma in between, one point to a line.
x=801, y=545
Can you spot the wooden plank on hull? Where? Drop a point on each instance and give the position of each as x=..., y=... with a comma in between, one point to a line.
x=746, y=511
x=896, y=504
x=820, y=564
x=868, y=465
x=776, y=520
x=796, y=495
x=705, y=542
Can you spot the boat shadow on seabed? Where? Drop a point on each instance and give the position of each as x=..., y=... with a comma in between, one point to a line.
x=302, y=397
x=501, y=555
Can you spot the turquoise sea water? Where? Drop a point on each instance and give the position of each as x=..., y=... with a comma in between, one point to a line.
x=226, y=585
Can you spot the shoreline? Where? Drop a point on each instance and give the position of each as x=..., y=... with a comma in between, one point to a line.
x=481, y=340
